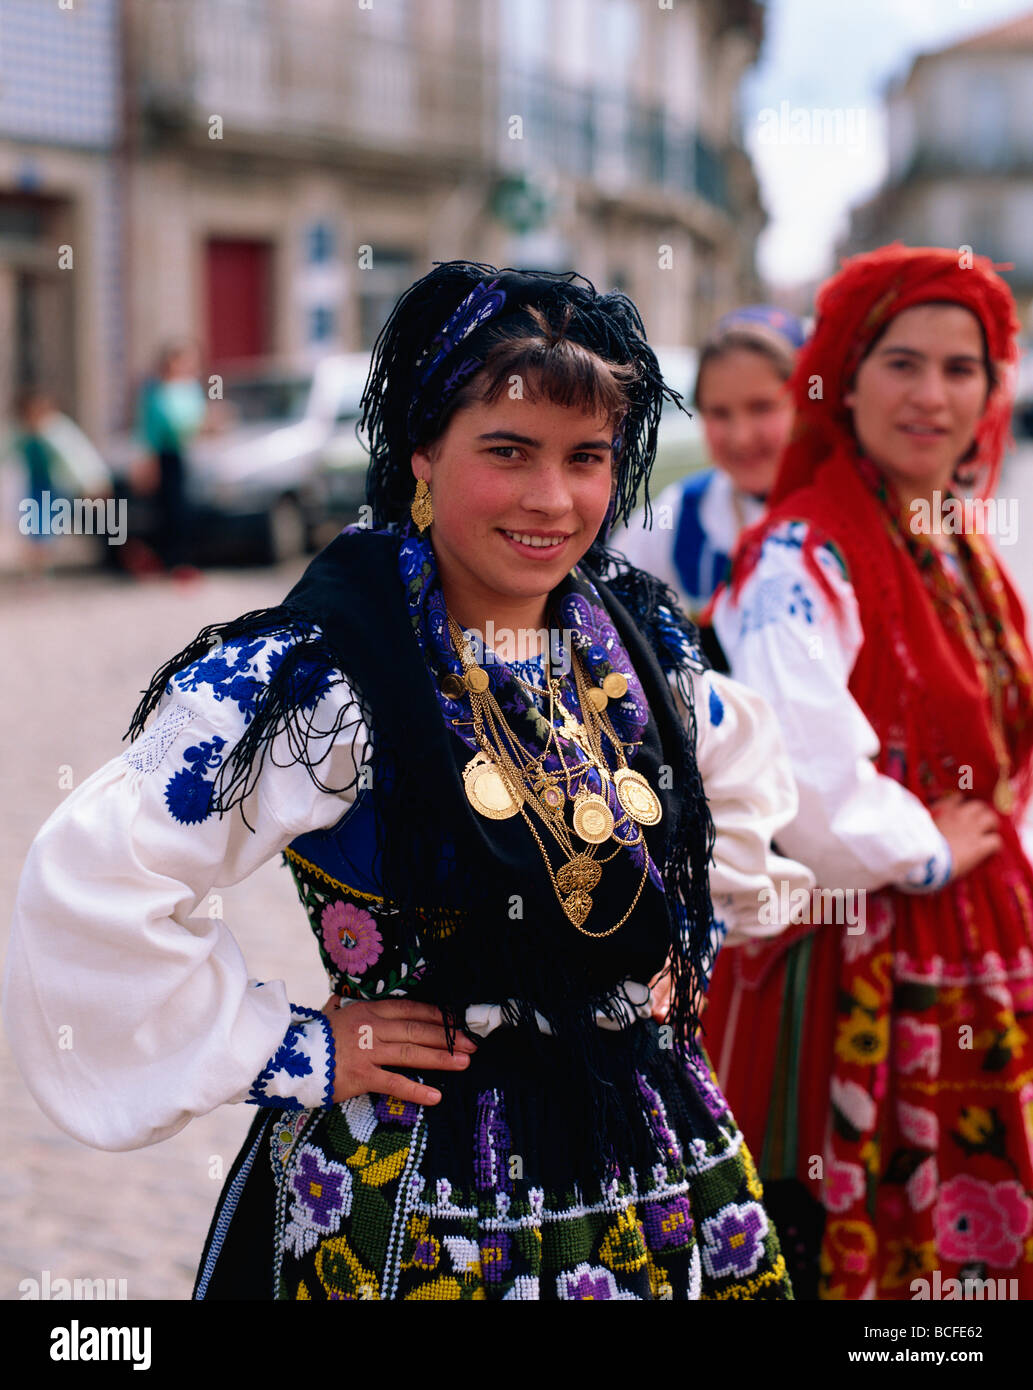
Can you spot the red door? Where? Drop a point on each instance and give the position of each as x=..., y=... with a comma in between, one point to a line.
x=238, y=297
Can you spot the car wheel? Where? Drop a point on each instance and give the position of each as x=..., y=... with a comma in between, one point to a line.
x=287, y=534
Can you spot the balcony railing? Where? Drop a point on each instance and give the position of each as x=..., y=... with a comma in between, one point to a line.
x=623, y=145
x=275, y=75
x=269, y=75
x=1008, y=159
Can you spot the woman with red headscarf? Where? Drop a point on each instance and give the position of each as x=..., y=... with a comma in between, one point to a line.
x=879, y=1055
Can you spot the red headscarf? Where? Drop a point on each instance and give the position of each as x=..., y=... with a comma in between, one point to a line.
x=853, y=307
x=824, y=480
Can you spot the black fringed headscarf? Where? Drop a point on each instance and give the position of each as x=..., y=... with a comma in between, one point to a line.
x=437, y=339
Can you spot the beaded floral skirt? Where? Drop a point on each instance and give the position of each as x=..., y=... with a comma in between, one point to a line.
x=352, y=1204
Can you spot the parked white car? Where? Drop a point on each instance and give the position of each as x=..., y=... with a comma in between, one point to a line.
x=257, y=479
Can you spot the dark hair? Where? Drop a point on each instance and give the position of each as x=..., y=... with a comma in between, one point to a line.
x=972, y=451
x=29, y=396
x=577, y=346
x=169, y=351
x=746, y=337
x=550, y=365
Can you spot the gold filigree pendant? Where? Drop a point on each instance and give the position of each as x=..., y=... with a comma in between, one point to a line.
x=578, y=906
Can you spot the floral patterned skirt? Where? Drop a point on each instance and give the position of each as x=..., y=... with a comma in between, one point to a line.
x=887, y=1081
x=379, y=1199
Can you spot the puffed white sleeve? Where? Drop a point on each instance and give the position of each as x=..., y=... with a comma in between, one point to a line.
x=751, y=794
x=855, y=827
x=128, y=1011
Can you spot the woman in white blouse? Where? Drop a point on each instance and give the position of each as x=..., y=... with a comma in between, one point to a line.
x=747, y=413
x=486, y=1106
x=878, y=1055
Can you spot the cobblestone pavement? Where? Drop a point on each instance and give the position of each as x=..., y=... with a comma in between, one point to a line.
x=87, y=645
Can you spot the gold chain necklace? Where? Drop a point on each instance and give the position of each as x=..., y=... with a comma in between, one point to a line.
x=984, y=652
x=503, y=779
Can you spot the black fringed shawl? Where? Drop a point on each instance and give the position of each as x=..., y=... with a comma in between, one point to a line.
x=351, y=606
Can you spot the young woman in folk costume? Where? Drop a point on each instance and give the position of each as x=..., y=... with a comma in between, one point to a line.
x=691, y=532
x=884, y=1065
x=498, y=848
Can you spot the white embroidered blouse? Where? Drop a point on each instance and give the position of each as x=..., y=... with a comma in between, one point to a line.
x=855, y=827
x=723, y=513
x=168, y=1024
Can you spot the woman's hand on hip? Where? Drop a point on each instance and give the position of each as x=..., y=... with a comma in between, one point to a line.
x=971, y=829
x=370, y=1036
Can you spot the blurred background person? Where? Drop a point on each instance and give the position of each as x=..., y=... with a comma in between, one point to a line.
x=171, y=411
x=881, y=1069
x=58, y=461
x=747, y=414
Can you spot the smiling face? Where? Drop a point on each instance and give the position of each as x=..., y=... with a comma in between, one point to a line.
x=519, y=489
x=747, y=417
x=919, y=395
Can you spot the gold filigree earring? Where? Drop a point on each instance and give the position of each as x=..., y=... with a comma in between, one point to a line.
x=421, y=509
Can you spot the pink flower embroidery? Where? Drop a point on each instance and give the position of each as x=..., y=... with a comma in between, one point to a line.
x=982, y=1221
x=891, y=1202
x=878, y=923
x=917, y=1046
x=351, y=937
x=854, y=1102
x=844, y=1184
x=919, y=1127
x=921, y=1185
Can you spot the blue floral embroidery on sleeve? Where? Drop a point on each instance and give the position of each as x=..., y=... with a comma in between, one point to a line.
x=310, y=679
x=227, y=672
x=331, y=1061
x=786, y=595
x=288, y=1060
x=774, y=600
x=235, y=673
x=717, y=709
x=931, y=876
x=790, y=534
x=188, y=794
x=285, y=1059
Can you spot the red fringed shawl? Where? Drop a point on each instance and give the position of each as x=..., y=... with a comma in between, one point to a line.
x=853, y=308
x=914, y=677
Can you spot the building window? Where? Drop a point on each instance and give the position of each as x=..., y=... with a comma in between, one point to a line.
x=619, y=40
x=987, y=116
x=380, y=284
x=322, y=324
x=526, y=35
x=319, y=243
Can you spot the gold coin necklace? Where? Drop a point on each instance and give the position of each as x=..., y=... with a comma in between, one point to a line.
x=497, y=786
x=634, y=793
